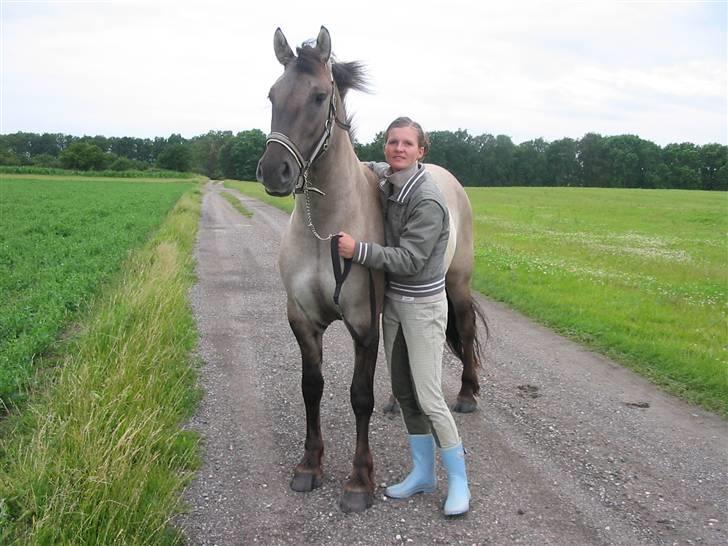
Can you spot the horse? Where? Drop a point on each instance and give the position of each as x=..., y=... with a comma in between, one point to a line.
x=310, y=153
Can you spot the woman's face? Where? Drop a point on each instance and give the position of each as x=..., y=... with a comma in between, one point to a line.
x=401, y=149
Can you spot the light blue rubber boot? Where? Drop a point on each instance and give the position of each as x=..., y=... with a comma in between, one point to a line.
x=422, y=478
x=458, y=493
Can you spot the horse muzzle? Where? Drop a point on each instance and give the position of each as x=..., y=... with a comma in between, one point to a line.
x=277, y=174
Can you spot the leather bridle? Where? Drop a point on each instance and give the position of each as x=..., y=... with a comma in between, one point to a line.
x=302, y=183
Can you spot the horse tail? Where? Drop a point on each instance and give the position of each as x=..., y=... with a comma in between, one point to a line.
x=469, y=315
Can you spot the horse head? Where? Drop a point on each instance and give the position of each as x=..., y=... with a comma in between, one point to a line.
x=307, y=102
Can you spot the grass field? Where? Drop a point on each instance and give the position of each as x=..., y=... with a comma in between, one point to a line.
x=98, y=454
x=60, y=239
x=639, y=275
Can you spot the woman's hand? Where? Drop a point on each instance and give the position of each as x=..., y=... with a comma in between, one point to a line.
x=346, y=245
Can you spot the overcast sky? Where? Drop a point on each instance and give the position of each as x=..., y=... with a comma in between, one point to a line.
x=656, y=69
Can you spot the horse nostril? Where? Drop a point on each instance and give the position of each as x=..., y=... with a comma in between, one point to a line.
x=259, y=171
x=285, y=171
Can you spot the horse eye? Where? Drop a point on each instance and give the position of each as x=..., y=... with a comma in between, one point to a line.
x=320, y=98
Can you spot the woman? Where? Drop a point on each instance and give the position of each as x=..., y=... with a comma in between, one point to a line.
x=415, y=310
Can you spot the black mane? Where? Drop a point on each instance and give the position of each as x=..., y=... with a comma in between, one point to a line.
x=351, y=75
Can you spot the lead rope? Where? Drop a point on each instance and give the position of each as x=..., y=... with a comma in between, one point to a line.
x=309, y=217
x=340, y=276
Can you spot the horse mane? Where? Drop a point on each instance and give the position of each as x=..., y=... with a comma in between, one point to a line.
x=351, y=75
x=347, y=75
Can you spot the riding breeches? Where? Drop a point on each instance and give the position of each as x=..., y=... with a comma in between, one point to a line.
x=414, y=338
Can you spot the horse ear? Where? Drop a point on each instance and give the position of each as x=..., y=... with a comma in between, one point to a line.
x=284, y=54
x=323, y=44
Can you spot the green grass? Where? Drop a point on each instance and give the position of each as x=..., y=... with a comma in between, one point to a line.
x=60, y=239
x=237, y=205
x=98, y=456
x=255, y=189
x=640, y=275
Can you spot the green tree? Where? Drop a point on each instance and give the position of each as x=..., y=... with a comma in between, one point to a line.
x=563, y=167
x=529, y=163
x=83, y=156
x=175, y=157
x=374, y=151
x=591, y=153
x=683, y=165
x=206, y=152
x=46, y=160
x=239, y=156
x=713, y=158
x=457, y=152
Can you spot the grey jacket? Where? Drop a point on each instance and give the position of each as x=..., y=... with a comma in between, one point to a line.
x=416, y=230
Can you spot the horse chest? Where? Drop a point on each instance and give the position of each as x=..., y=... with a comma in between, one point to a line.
x=308, y=279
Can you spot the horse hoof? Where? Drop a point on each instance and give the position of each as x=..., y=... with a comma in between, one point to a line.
x=392, y=406
x=355, y=501
x=465, y=405
x=303, y=482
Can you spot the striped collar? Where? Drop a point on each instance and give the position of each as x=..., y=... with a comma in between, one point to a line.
x=407, y=189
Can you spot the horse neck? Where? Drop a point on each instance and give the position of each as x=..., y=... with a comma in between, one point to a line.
x=338, y=174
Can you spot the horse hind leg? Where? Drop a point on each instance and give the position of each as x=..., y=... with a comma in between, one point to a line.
x=308, y=474
x=462, y=339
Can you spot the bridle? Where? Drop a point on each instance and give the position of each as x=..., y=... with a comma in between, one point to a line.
x=303, y=184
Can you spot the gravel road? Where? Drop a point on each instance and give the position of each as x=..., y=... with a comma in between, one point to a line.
x=567, y=447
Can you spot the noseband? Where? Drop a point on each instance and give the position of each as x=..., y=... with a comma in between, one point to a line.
x=321, y=147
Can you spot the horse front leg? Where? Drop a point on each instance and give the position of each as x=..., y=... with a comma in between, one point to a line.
x=358, y=494
x=308, y=474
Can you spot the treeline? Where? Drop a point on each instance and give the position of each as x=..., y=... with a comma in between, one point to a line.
x=622, y=161
x=216, y=154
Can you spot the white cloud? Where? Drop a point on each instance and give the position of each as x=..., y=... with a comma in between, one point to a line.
x=525, y=69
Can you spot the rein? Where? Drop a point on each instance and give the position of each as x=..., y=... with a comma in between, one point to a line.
x=340, y=276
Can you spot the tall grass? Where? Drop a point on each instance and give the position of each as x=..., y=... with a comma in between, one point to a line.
x=99, y=456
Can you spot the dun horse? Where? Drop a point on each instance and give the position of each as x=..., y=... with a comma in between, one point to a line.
x=309, y=152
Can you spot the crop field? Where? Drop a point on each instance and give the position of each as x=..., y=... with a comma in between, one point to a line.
x=61, y=238
x=639, y=275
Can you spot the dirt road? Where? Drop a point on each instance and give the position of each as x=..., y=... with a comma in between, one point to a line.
x=566, y=447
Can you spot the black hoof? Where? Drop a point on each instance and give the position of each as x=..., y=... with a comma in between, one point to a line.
x=303, y=482
x=465, y=405
x=355, y=501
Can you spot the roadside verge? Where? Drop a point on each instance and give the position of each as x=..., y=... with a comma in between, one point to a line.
x=100, y=457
